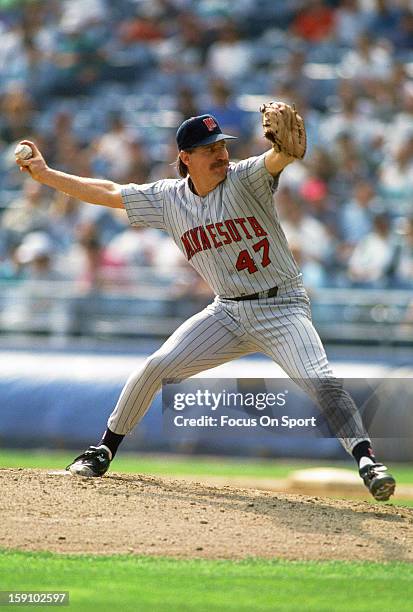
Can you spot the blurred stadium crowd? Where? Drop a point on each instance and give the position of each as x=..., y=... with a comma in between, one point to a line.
x=101, y=87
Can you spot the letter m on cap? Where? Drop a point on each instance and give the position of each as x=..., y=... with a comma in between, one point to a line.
x=210, y=123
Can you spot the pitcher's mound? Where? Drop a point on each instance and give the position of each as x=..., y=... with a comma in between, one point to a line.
x=145, y=515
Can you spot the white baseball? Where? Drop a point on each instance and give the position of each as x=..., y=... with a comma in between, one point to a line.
x=23, y=151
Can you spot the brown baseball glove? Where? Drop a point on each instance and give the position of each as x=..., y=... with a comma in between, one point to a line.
x=284, y=128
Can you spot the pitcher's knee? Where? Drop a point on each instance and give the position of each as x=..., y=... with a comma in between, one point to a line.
x=160, y=365
x=328, y=388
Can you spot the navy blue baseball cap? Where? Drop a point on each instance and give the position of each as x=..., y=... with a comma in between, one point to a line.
x=199, y=131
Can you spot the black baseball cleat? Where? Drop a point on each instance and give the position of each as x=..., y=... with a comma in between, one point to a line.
x=379, y=482
x=93, y=462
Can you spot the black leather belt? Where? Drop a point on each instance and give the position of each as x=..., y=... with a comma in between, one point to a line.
x=256, y=296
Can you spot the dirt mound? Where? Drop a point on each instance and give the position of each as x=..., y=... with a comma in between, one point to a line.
x=123, y=513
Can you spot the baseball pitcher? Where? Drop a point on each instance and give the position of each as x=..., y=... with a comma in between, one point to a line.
x=222, y=217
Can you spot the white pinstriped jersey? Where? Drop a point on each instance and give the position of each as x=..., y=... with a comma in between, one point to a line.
x=232, y=236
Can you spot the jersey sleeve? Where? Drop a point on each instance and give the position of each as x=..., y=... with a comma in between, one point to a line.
x=255, y=176
x=144, y=204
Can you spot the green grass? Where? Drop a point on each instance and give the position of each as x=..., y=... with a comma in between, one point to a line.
x=170, y=465
x=162, y=464
x=167, y=585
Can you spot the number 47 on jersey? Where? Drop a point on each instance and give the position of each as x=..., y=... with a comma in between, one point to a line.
x=246, y=262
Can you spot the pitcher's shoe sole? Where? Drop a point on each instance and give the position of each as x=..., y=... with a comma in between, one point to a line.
x=379, y=481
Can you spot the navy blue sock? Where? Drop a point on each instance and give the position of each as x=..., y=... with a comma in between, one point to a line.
x=111, y=440
x=363, y=449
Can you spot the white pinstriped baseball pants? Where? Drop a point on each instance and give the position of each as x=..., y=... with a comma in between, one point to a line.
x=279, y=327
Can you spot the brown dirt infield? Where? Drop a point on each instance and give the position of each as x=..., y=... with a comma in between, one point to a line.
x=146, y=515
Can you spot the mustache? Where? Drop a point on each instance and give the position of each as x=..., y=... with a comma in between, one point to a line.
x=223, y=164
